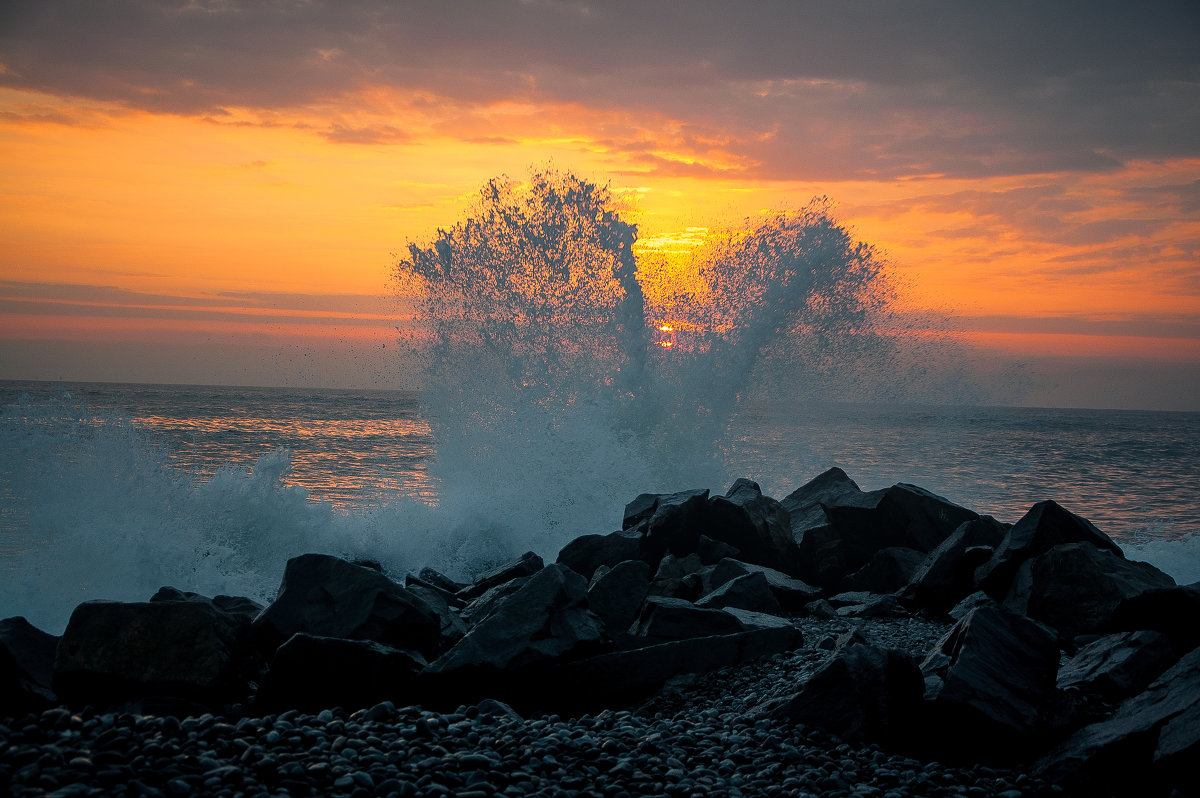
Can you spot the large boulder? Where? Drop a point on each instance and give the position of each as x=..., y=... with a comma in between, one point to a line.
x=888, y=570
x=1172, y=611
x=1045, y=526
x=311, y=673
x=238, y=605
x=329, y=597
x=26, y=667
x=1148, y=747
x=527, y=564
x=1118, y=665
x=792, y=594
x=864, y=693
x=756, y=525
x=646, y=505
x=546, y=619
x=663, y=619
x=616, y=595
x=806, y=504
x=586, y=553
x=112, y=652
x=947, y=575
x=986, y=682
x=750, y=592
x=1076, y=587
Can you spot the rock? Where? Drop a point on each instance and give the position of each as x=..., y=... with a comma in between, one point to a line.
x=664, y=619
x=527, y=564
x=674, y=525
x=238, y=605
x=113, y=651
x=986, y=681
x=311, y=673
x=972, y=602
x=486, y=604
x=1172, y=611
x=713, y=551
x=863, y=693
x=792, y=594
x=882, y=607
x=750, y=592
x=856, y=524
x=546, y=619
x=26, y=667
x=673, y=567
x=447, y=597
x=1118, y=665
x=756, y=525
x=888, y=570
x=616, y=595
x=688, y=588
x=585, y=554
x=451, y=625
x=820, y=609
x=329, y=597
x=852, y=598
x=1075, y=587
x=1045, y=526
x=947, y=575
x=439, y=580
x=1149, y=743
x=647, y=504
x=750, y=621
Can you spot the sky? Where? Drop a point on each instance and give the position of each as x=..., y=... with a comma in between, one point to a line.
x=216, y=191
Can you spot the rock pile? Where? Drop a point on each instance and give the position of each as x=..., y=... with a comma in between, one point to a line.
x=1052, y=652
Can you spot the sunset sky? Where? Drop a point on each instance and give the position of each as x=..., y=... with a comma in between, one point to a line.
x=215, y=190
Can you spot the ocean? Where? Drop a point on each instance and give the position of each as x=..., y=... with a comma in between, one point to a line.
x=111, y=491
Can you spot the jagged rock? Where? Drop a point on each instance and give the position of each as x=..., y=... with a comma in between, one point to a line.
x=1172, y=611
x=750, y=592
x=646, y=505
x=439, y=580
x=863, y=693
x=1045, y=526
x=1119, y=665
x=311, y=673
x=986, y=681
x=448, y=597
x=486, y=604
x=585, y=554
x=452, y=626
x=972, y=602
x=852, y=598
x=238, y=605
x=527, y=564
x=820, y=609
x=673, y=567
x=947, y=575
x=1076, y=587
x=1150, y=742
x=840, y=527
x=663, y=619
x=712, y=551
x=882, y=607
x=546, y=619
x=26, y=667
x=329, y=597
x=616, y=594
x=113, y=652
x=674, y=526
x=756, y=525
x=792, y=594
x=750, y=621
x=688, y=588
x=888, y=570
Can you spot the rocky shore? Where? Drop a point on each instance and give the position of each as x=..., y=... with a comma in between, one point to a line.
x=836, y=642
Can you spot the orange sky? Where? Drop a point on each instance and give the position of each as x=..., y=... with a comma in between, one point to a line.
x=142, y=204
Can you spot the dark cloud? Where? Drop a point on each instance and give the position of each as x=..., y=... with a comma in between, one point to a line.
x=803, y=89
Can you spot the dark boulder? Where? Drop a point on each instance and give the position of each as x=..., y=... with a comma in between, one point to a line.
x=674, y=525
x=792, y=594
x=329, y=597
x=1076, y=587
x=439, y=580
x=754, y=524
x=26, y=667
x=750, y=592
x=947, y=575
x=806, y=504
x=1118, y=665
x=616, y=594
x=1148, y=747
x=586, y=553
x=663, y=619
x=970, y=603
x=862, y=694
x=1045, y=526
x=986, y=682
x=452, y=626
x=311, y=673
x=646, y=505
x=712, y=551
x=448, y=597
x=1172, y=611
x=527, y=564
x=888, y=570
x=546, y=619
x=483, y=606
x=112, y=652
x=238, y=605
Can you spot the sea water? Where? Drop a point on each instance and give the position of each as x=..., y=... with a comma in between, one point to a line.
x=110, y=491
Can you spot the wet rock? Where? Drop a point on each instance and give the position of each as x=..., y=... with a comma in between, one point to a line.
x=310, y=673
x=644, y=507
x=986, y=682
x=439, y=580
x=664, y=619
x=1045, y=526
x=484, y=605
x=792, y=594
x=329, y=597
x=750, y=592
x=1118, y=665
x=806, y=505
x=1172, y=611
x=527, y=564
x=116, y=651
x=616, y=595
x=888, y=570
x=452, y=626
x=756, y=525
x=547, y=618
x=586, y=553
x=238, y=605
x=972, y=602
x=26, y=667
x=947, y=575
x=864, y=693
x=1076, y=587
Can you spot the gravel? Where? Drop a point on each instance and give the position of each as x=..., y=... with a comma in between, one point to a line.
x=693, y=739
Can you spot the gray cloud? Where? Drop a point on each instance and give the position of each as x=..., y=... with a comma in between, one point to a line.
x=792, y=89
